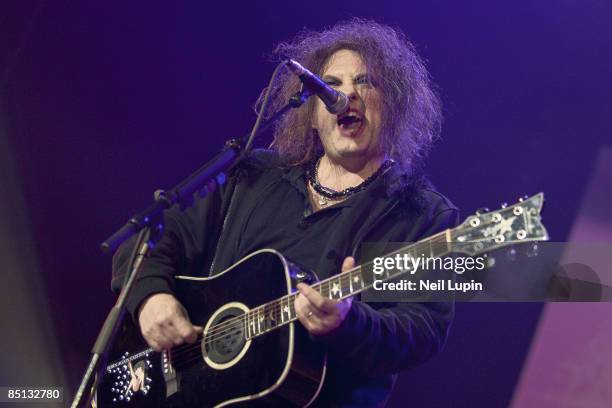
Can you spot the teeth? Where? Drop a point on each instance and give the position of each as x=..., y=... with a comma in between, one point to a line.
x=349, y=117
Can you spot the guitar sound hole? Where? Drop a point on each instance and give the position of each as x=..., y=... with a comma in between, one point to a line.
x=224, y=340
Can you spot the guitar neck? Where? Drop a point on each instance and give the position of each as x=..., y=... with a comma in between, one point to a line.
x=479, y=233
x=281, y=311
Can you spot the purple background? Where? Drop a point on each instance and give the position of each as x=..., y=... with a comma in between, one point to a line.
x=107, y=102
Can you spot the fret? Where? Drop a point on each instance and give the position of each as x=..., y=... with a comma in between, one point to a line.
x=291, y=307
x=253, y=324
x=277, y=313
x=285, y=315
x=259, y=318
x=245, y=327
x=248, y=322
x=335, y=291
x=356, y=280
x=270, y=318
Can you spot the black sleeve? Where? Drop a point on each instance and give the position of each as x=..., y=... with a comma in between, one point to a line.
x=397, y=336
x=186, y=246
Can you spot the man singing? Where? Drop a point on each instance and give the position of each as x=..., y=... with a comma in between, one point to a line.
x=328, y=184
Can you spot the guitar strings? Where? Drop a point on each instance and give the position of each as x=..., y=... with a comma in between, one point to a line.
x=276, y=306
x=218, y=331
x=325, y=283
x=320, y=287
x=211, y=335
x=186, y=355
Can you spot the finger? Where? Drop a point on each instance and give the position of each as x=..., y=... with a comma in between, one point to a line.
x=301, y=311
x=185, y=330
x=307, y=309
x=164, y=339
x=306, y=314
x=301, y=305
x=316, y=300
x=168, y=334
x=154, y=344
x=348, y=263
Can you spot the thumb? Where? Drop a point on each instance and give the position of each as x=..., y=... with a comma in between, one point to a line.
x=193, y=336
x=349, y=263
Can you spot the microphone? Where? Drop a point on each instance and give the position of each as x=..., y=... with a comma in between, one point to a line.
x=335, y=101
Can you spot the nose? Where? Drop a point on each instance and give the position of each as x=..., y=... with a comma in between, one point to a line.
x=350, y=90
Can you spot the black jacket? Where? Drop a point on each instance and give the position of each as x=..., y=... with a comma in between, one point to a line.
x=270, y=208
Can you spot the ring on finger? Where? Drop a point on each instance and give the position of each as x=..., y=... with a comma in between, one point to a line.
x=309, y=314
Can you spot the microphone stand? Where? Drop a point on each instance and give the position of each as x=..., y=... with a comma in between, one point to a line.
x=149, y=225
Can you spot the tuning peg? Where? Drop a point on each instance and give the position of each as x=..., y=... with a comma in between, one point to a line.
x=504, y=205
x=482, y=210
x=523, y=198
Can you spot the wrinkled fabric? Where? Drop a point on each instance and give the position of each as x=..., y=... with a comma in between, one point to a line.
x=268, y=207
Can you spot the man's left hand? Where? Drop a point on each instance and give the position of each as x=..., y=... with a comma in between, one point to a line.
x=318, y=314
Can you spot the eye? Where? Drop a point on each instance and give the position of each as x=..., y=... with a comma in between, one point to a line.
x=363, y=80
x=332, y=82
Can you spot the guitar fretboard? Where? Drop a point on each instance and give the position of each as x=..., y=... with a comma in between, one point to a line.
x=280, y=312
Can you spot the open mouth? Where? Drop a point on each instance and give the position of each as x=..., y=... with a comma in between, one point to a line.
x=350, y=120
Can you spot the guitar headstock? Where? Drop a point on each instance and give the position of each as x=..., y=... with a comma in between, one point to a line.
x=486, y=231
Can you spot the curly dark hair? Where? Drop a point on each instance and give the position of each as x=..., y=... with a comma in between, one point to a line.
x=411, y=114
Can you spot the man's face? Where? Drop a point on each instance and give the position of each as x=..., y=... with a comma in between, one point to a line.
x=354, y=134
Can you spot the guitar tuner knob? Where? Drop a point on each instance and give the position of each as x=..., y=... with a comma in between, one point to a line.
x=504, y=205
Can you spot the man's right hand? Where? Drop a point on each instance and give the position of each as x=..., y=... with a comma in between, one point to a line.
x=164, y=322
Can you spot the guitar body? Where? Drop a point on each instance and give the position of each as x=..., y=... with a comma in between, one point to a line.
x=228, y=366
x=252, y=353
